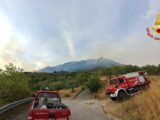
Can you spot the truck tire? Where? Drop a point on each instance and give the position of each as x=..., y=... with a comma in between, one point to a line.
x=113, y=98
x=121, y=96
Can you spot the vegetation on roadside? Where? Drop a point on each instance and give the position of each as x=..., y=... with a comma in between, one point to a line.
x=93, y=84
x=64, y=80
x=14, y=84
x=143, y=106
x=64, y=93
x=147, y=104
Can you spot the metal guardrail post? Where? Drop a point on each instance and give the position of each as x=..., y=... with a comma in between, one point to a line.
x=14, y=104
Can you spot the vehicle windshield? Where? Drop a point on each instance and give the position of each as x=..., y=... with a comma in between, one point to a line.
x=47, y=95
x=113, y=82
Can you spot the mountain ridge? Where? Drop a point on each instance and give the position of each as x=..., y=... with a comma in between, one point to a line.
x=82, y=65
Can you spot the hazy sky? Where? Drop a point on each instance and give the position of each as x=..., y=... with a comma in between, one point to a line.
x=39, y=33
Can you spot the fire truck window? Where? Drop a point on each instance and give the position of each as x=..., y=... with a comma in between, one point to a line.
x=121, y=80
x=47, y=95
x=113, y=82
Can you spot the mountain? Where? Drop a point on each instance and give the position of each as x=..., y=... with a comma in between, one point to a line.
x=83, y=65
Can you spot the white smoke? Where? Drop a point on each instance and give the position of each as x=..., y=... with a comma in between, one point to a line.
x=69, y=42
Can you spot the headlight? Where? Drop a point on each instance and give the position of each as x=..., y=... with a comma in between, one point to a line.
x=29, y=118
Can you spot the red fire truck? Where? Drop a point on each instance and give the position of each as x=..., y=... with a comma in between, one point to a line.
x=47, y=105
x=125, y=85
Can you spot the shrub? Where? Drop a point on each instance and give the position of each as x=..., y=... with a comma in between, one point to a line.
x=71, y=84
x=14, y=84
x=93, y=84
x=58, y=85
x=66, y=95
x=83, y=87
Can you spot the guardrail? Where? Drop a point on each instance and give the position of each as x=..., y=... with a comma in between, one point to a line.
x=14, y=104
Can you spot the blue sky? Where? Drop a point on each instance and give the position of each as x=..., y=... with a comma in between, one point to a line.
x=39, y=33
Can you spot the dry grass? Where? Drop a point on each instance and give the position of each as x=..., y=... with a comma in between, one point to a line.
x=69, y=92
x=101, y=94
x=143, y=106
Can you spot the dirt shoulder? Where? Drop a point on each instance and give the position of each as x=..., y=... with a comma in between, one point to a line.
x=69, y=93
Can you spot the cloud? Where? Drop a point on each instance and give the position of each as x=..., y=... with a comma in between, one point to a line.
x=13, y=52
x=54, y=32
x=154, y=8
x=5, y=29
x=138, y=49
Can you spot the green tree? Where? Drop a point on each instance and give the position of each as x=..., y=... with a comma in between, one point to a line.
x=57, y=85
x=151, y=69
x=93, y=84
x=81, y=78
x=72, y=84
x=14, y=84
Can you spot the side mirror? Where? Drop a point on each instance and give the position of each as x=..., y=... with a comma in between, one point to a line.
x=33, y=95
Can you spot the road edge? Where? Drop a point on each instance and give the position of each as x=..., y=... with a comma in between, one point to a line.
x=110, y=116
x=74, y=97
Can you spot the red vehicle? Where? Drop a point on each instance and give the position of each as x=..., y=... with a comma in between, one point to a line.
x=125, y=85
x=47, y=105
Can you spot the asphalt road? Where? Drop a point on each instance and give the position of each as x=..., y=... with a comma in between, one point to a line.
x=84, y=107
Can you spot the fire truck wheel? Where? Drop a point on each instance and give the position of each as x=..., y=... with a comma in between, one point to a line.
x=121, y=95
x=113, y=98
